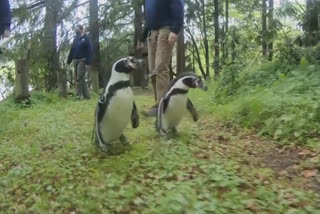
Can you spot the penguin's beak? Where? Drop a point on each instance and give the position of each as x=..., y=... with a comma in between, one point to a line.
x=203, y=86
x=138, y=63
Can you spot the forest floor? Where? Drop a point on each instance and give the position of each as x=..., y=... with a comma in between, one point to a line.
x=48, y=164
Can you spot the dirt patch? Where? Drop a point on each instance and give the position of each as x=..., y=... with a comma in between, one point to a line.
x=280, y=160
x=294, y=165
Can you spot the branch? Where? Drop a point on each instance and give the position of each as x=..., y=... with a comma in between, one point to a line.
x=40, y=3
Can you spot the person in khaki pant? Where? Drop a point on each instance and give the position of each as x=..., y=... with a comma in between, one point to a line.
x=164, y=20
x=81, y=54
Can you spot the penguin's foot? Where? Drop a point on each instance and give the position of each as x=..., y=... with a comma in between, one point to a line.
x=174, y=132
x=164, y=137
x=123, y=139
x=164, y=134
x=103, y=147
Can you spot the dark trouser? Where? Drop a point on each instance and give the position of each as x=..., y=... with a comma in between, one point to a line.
x=82, y=86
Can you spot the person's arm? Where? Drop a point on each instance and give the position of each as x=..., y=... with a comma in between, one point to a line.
x=5, y=19
x=177, y=14
x=71, y=53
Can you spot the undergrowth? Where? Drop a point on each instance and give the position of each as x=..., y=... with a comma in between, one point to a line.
x=277, y=100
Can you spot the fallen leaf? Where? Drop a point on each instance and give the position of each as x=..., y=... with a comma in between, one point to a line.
x=251, y=205
x=310, y=173
x=304, y=152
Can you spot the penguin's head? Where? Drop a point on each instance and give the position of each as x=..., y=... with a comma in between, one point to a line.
x=128, y=64
x=191, y=80
x=198, y=83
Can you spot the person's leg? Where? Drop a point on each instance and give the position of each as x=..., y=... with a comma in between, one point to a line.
x=152, y=49
x=86, y=93
x=81, y=71
x=163, y=56
x=74, y=82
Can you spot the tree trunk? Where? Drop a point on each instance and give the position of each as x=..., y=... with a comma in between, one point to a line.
x=226, y=31
x=95, y=80
x=270, y=26
x=205, y=38
x=97, y=75
x=264, y=28
x=22, y=79
x=311, y=26
x=181, y=57
x=50, y=42
x=138, y=75
x=62, y=82
x=216, y=39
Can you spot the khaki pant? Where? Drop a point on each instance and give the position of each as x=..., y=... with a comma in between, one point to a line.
x=81, y=75
x=159, y=56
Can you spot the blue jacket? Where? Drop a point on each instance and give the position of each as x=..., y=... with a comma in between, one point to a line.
x=160, y=13
x=81, y=48
x=5, y=16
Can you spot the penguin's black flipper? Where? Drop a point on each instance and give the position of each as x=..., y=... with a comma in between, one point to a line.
x=162, y=107
x=98, y=117
x=192, y=110
x=159, y=115
x=134, y=116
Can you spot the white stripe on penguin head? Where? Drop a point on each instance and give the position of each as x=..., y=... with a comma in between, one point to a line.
x=179, y=84
x=116, y=76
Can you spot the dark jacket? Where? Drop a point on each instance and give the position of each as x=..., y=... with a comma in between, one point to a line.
x=160, y=13
x=5, y=16
x=81, y=48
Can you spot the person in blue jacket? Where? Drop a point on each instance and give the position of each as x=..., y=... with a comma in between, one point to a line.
x=163, y=22
x=81, y=54
x=5, y=18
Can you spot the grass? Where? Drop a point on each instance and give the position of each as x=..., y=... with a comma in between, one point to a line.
x=49, y=165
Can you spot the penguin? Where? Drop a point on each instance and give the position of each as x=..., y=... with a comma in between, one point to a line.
x=175, y=102
x=116, y=106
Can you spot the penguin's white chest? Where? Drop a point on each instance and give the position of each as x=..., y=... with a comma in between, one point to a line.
x=175, y=111
x=118, y=115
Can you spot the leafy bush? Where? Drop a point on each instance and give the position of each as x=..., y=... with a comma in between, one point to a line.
x=279, y=101
x=313, y=54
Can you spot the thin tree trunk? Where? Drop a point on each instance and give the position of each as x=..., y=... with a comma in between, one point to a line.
x=139, y=75
x=216, y=39
x=97, y=75
x=226, y=30
x=22, y=80
x=62, y=82
x=197, y=55
x=205, y=38
x=270, y=26
x=264, y=28
x=50, y=43
x=181, y=58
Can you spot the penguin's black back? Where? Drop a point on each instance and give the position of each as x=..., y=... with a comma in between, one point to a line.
x=179, y=76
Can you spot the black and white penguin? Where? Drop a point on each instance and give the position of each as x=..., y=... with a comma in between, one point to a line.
x=116, y=107
x=175, y=102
